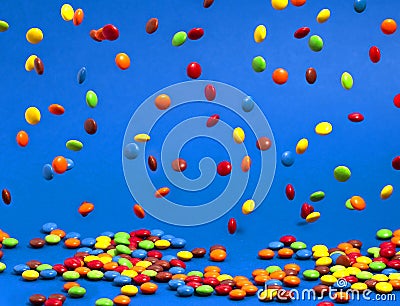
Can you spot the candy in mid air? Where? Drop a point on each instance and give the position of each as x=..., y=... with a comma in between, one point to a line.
x=346, y=80
x=259, y=64
x=260, y=33
x=123, y=61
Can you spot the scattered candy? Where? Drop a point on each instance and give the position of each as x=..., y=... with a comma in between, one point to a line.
x=91, y=99
x=280, y=76
x=260, y=33
x=279, y=4
x=85, y=208
x=386, y=192
x=74, y=145
x=47, y=172
x=213, y=120
x=355, y=117
x=139, y=211
x=207, y=3
x=289, y=191
x=263, y=143
x=248, y=104
x=38, y=65
x=56, y=109
x=151, y=25
x=123, y=61
x=30, y=62
x=110, y=32
x=141, y=138
x=315, y=43
x=34, y=35
x=357, y=203
x=388, y=26
x=396, y=163
x=259, y=64
x=312, y=217
x=323, y=128
x=374, y=54
x=179, y=39
x=346, y=80
x=317, y=196
x=360, y=5
x=210, y=92
x=67, y=12
x=59, y=164
x=238, y=135
x=32, y=115
x=6, y=196
x=301, y=32
x=193, y=70
x=232, y=225
x=78, y=17
x=224, y=168
x=341, y=173
x=298, y=2
x=287, y=158
x=306, y=209
x=3, y=26
x=162, y=101
x=152, y=162
x=90, y=126
x=248, y=207
x=131, y=150
x=302, y=146
x=195, y=33
x=162, y=192
x=311, y=75
x=246, y=163
x=22, y=138
x=323, y=15
x=179, y=165
x=81, y=76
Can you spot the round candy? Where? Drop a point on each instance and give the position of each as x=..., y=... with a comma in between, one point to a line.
x=90, y=126
x=162, y=102
x=314, y=216
x=34, y=35
x=246, y=163
x=47, y=172
x=56, y=109
x=148, y=288
x=360, y=5
x=238, y=135
x=30, y=62
x=396, y=163
x=224, y=168
x=104, y=302
x=315, y=43
x=263, y=143
x=78, y=17
x=37, y=299
x=341, y=173
x=30, y=275
x=85, y=208
x=123, y=61
x=383, y=287
x=232, y=225
x=74, y=145
x=388, y=26
x=248, y=207
x=32, y=115
x=76, y=292
x=301, y=32
x=323, y=128
x=212, y=121
x=259, y=64
x=357, y=202
x=3, y=26
x=237, y=294
x=185, y=290
x=67, y=12
x=193, y=70
x=81, y=76
x=374, y=54
x=91, y=99
x=287, y=158
x=131, y=150
x=59, y=164
x=38, y=65
x=386, y=192
x=152, y=162
x=306, y=209
x=323, y=15
x=260, y=33
x=151, y=25
x=298, y=2
x=179, y=165
x=311, y=75
x=346, y=80
x=195, y=33
x=290, y=192
x=384, y=234
x=279, y=4
x=204, y=290
x=247, y=104
x=110, y=32
x=280, y=76
x=210, y=92
x=2, y=267
x=179, y=38
x=355, y=117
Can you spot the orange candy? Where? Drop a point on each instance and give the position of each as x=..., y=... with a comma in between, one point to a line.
x=138, y=269
x=341, y=297
x=280, y=76
x=298, y=2
x=218, y=255
x=82, y=271
x=211, y=274
x=78, y=17
x=361, y=266
x=148, y=288
x=162, y=102
x=85, y=208
x=357, y=202
x=395, y=283
x=72, y=243
x=396, y=233
x=22, y=138
x=344, y=246
x=69, y=285
x=266, y=254
x=162, y=192
x=259, y=272
x=396, y=241
x=59, y=164
x=122, y=300
x=261, y=279
x=138, y=210
x=109, y=266
x=212, y=269
x=237, y=294
x=285, y=253
x=352, y=250
x=58, y=232
x=292, y=266
x=56, y=109
x=388, y=26
x=279, y=275
x=250, y=289
x=243, y=282
x=3, y=235
x=123, y=61
x=179, y=276
x=240, y=278
x=291, y=281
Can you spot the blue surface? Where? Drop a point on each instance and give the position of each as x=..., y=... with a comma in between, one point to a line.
x=225, y=54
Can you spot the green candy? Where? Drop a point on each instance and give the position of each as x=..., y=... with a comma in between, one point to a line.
x=315, y=43
x=179, y=38
x=195, y=273
x=317, y=196
x=335, y=268
x=298, y=245
x=384, y=234
x=52, y=239
x=121, y=240
x=10, y=242
x=74, y=145
x=122, y=235
x=43, y=267
x=95, y=275
x=374, y=251
x=91, y=99
x=341, y=173
x=346, y=80
x=146, y=244
x=104, y=302
x=76, y=292
x=3, y=26
x=149, y=273
x=272, y=269
x=377, y=266
x=70, y=276
x=125, y=262
x=123, y=249
x=348, y=205
x=2, y=266
x=112, y=252
x=204, y=290
x=311, y=274
x=259, y=64
x=364, y=275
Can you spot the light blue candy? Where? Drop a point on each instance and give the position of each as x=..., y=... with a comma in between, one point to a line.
x=273, y=282
x=287, y=158
x=167, y=237
x=88, y=242
x=131, y=150
x=73, y=235
x=47, y=172
x=122, y=281
x=175, y=283
x=84, y=249
x=96, y=252
x=157, y=232
x=303, y=254
x=168, y=257
x=342, y=284
x=275, y=245
x=48, y=274
x=178, y=243
x=139, y=253
x=176, y=270
x=18, y=269
x=107, y=234
x=247, y=104
x=81, y=76
x=110, y=275
x=70, y=163
x=116, y=258
x=388, y=271
x=48, y=227
x=185, y=290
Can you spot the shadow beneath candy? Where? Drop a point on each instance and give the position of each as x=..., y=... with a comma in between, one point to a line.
x=302, y=223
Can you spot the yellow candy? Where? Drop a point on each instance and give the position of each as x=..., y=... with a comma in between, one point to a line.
x=323, y=261
x=340, y=273
x=184, y=255
x=268, y=295
x=386, y=192
x=144, y=264
x=103, y=239
x=380, y=277
x=129, y=273
x=383, y=287
x=337, y=252
x=320, y=254
x=323, y=15
x=105, y=259
x=279, y=4
x=162, y=244
x=364, y=260
x=359, y=286
x=260, y=33
x=238, y=135
x=90, y=258
x=129, y=290
x=32, y=115
x=67, y=12
x=328, y=280
x=319, y=247
x=142, y=138
x=30, y=275
x=302, y=146
x=223, y=277
x=314, y=216
x=248, y=207
x=353, y=270
x=323, y=128
x=34, y=35
x=101, y=245
x=30, y=62
x=394, y=276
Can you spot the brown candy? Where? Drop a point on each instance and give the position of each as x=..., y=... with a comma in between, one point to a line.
x=163, y=277
x=156, y=268
x=164, y=264
x=90, y=126
x=6, y=195
x=37, y=299
x=153, y=260
x=207, y=3
x=152, y=25
x=39, y=67
x=199, y=252
x=33, y=264
x=371, y=284
x=152, y=162
x=217, y=247
x=263, y=143
x=81, y=254
x=321, y=290
x=331, y=250
x=323, y=270
x=311, y=75
x=37, y=243
x=355, y=243
x=343, y=260
x=153, y=238
x=228, y=282
x=179, y=165
x=291, y=272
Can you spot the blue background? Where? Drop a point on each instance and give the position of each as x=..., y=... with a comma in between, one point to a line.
x=225, y=53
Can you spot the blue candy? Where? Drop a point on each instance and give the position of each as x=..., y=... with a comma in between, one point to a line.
x=335, y=256
x=122, y=281
x=247, y=104
x=107, y=234
x=360, y=5
x=116, y=258
x=70, y=164
x=178, y=243
x=81, y=76
x=175, y=283
x=47, y=172
x=157, y=232
x=96, y=252
x=85, y=249
x=131, y=150
x=275, y=245
x=139, y=254
x=185, y=290
x=48, y=274
x=273, y=282
x=88, y=242
x=167, y=237
x=18, y=269
x=73, y=235
x=389, y=271
x=48, y=227
x=303, y=254
x=342, y=284
x=110, y=275
x=287, y=158
x=168, y=257
x=176, y=270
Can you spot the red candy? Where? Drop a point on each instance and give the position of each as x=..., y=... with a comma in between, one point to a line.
x=210, y=92
x=374, y=54
x=325, y=304
x=213, y=120
x=288, y=239
x=306, y=209
x=53, y=302
x=110, y=32
x=193, y=70
x=396, y=100
x=121, y=269
x=95, y=265
x=211, y=281
x=396, y=163
x=355, y=117
x=194, y=284
x=195, y=33
x=381, y=259
x=302, y=32
x=60, y=269
x=289, y=190
x=351, y=279
x=394, y=264
x=387, y=252
x=72, y=263
x=223, y=289
x=141, y=279
x=224, y=168
x=155, y=254
x=193, y=278
x=142, y=233
x=177, y=263
x=232, y=226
